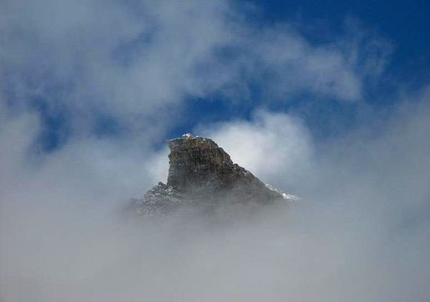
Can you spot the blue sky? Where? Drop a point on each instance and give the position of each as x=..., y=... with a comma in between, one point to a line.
x=328, y=100
x=403, y=23
x=393, y=33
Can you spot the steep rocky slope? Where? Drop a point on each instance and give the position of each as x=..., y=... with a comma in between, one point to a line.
x=202, y=177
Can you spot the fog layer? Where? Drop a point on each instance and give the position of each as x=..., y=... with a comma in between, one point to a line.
x=90, y=89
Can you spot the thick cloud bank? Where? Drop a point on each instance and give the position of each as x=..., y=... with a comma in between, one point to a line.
x=361, y=232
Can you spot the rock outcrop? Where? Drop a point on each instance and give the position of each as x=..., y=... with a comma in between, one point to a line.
x=202, y=177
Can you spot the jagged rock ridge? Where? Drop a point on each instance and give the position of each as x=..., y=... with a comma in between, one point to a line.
x=202, y=176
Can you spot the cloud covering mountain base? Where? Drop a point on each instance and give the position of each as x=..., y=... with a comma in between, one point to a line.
x=89, y=90
x=361, y=232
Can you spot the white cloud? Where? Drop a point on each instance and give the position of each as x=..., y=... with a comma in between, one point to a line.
x=132, y=58
x=360, y=234
x=269, y=145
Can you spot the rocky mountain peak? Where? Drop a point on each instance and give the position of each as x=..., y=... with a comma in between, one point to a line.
x=196, y=162
x=202, y=176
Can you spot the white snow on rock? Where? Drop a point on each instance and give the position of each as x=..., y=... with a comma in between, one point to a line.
x=188, y=135
x=289, y=197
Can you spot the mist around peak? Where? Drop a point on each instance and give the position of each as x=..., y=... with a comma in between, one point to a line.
x=356, y=235
x=203, y=179
x=90, y=90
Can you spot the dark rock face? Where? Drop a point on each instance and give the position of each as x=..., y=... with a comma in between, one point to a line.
x=202, y=177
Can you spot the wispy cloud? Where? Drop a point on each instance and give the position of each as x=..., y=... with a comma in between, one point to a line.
x=133, y=60
x=361, y=232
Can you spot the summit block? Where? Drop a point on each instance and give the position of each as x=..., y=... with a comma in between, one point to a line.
x=202, y=176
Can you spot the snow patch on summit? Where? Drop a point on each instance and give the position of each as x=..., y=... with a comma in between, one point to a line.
x=285, y=196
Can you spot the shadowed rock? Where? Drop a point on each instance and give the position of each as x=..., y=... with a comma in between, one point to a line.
x=203, y=177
